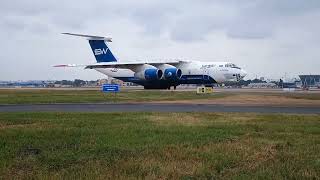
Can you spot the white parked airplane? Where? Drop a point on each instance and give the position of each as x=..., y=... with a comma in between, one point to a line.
x=158, y=75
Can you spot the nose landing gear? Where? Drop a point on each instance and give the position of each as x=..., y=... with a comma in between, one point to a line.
x=238, y=76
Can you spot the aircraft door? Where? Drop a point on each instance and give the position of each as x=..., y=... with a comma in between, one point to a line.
x=205, y=74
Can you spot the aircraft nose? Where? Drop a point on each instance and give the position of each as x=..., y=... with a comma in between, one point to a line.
x=243, y=73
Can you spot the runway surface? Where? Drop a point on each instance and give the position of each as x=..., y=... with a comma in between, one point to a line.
x=126, y=107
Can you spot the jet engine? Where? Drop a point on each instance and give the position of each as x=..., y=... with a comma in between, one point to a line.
x=170, y=72
x=148, y=72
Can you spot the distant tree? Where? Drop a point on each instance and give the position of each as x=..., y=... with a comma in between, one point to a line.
x=66, y=82
x=78, y=83
x=258, y=81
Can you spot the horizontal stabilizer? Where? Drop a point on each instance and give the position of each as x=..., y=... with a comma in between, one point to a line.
x=70, y=65
x=90, y=37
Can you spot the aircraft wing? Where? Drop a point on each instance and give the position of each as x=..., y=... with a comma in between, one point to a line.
x=130, y=65
x=121, y=65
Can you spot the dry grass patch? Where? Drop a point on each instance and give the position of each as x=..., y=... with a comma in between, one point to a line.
x=203, y=119
x=234, y=118
x=255, y=100
x=170, y=162
x=34, y=126
x=177, y=119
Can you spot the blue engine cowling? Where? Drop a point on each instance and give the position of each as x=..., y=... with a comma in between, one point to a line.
x=172, y=74
x=153, y=74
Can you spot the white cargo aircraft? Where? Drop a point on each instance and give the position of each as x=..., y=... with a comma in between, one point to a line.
x=158, y=75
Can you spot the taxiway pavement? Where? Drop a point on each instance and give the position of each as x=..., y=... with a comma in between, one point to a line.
x=140, y=107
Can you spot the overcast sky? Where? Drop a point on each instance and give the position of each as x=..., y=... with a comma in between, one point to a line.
x=266, y=37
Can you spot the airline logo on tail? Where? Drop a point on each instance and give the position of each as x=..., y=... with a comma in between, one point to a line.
x=98, y=52
x=101, y=51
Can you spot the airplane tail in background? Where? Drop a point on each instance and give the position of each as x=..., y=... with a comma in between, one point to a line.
x=99, y=47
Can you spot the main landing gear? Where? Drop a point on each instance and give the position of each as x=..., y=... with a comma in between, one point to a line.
x=174, y=87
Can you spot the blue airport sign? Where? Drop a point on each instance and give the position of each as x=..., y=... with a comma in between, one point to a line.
x=111, y=88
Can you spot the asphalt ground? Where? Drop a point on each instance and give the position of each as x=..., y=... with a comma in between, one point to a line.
x=140, y=107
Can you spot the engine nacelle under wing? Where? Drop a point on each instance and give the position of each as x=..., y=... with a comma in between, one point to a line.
x=170, y=72
x=148, y=72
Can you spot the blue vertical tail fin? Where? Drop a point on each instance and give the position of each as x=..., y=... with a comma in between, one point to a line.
x=99, y=47
x=101, y=51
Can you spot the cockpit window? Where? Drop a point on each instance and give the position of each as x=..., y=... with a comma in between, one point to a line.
x=232, y=66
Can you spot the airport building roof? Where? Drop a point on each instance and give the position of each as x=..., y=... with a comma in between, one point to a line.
x=310, y=80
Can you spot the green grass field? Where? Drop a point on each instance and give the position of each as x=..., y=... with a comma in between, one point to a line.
x=42, y=96
x=159, y=145
x=94, y=96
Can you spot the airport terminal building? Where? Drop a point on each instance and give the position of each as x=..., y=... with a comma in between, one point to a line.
x=310, y=80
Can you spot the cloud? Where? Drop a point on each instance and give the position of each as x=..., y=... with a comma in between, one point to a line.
x=266, y=36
